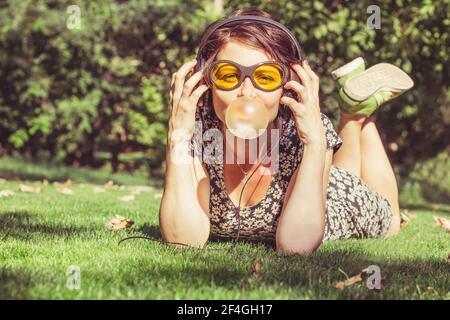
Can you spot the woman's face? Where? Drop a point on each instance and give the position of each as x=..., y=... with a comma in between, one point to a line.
x=246, y=56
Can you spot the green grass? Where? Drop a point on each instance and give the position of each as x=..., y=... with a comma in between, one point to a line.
x=18, y=168
x=42, y=234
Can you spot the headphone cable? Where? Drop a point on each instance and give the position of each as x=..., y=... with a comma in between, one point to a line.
x=235, y=241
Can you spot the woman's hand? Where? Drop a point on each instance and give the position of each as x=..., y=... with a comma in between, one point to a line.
x=183, y=101
x=306, y=112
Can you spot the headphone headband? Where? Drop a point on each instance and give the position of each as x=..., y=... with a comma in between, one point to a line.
x=236, y=20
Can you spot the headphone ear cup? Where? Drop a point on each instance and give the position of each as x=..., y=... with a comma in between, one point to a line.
x=284, y=109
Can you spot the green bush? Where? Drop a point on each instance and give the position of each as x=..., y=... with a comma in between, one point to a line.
x=66, y=95
x=69, y=93
x=433, y=178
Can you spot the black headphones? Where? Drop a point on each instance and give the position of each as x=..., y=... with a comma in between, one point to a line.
x=201, y=60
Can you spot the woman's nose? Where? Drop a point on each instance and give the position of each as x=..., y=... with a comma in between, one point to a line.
x=247, y=89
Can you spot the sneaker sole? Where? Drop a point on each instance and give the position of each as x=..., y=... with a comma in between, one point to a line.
x=380, y=76
x=347, y=68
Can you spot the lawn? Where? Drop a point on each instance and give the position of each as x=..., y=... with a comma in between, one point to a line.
x=42, y=234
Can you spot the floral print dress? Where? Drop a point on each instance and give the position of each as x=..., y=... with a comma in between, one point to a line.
x=353, y=209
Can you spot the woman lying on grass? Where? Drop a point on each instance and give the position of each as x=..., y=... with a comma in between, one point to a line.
x=326, y=186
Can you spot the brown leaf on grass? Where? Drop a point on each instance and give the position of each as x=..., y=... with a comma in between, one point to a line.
x=69, y=182
x=352, y=280
x=28, y=189
x=256, y=267
x=405, y=217
x=137, y=190
x=110, y=185
x=127, y=198
x=98, y=190
x=7, y=193
x=444, y=223
x=65, y=191
x=119, y=222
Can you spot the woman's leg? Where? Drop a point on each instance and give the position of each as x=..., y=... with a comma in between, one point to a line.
x=363, y=154
x=376, y=169
x=348, y=156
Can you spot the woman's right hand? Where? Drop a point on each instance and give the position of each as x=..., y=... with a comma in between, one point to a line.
x=184, y=100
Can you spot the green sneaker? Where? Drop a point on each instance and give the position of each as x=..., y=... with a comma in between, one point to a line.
x=353, y=68
x=341, y=75
x=363, y=91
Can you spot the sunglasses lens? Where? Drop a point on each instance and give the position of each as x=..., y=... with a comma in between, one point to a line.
x=268, y=76
x=225, y=75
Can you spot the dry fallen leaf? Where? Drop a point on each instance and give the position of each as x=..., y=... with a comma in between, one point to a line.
x=405, y=217
x=444, y=223
x=25, y=188
x=65, y=191
x=119, y=222
x=69, y=182
x=127, y=198
x=351, y=281
x=98, y=190
x=256, y=267
x=140, y=189
x=7, y=193
x=110, y=185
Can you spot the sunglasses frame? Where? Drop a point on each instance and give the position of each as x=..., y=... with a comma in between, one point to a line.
x=248, y=71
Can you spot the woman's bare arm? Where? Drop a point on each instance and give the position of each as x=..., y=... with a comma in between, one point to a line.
x=302, y=221
x=183, y=214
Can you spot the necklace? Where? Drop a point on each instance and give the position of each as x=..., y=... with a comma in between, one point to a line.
x=244, y=179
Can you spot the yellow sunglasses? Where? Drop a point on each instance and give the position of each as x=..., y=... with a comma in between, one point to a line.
x=266, y=76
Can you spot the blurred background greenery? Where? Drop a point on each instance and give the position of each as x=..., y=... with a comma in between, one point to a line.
x=98, y=96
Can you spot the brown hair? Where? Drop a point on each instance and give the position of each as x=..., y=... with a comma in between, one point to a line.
x=271, y=39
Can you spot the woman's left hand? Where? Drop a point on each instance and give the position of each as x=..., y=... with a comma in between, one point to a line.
x=306, y=112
